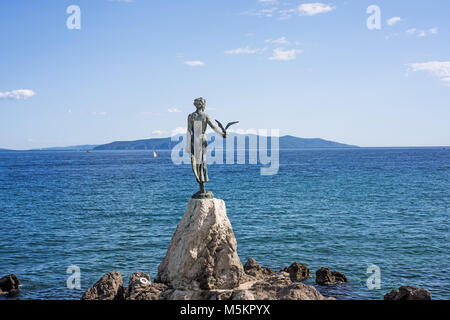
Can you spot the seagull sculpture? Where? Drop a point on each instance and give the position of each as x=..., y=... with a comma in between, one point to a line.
x=228, y=125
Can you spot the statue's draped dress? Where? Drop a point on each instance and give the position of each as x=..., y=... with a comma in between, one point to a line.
x=197, y=123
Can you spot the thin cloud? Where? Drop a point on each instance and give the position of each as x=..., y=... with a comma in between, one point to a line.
x=421, y=33
x=267, y=12
x=280, y=54
x=245, y=50
x=393, y=20
x=173, y=110
x=312, y=9
x=159, y=132
x=281, y=49
x=439, y=69
x=282, y=41
x=287, y=13
x=17, y=94
x=194, y=63
x=436, y=68
x=305, y=9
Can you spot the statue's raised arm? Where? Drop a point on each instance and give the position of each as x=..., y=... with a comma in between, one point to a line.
x=222, y=132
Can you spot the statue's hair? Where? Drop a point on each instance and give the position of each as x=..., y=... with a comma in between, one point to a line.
x=199, y=102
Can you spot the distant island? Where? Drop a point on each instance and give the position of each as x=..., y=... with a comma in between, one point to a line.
x=83, y=147
x=286, y=142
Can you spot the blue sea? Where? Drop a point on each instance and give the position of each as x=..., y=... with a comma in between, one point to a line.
x=346, y=209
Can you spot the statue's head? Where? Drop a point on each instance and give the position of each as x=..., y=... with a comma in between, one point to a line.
x=200, y=103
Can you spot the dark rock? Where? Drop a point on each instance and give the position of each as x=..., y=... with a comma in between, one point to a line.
x=140, y=287
x=298, y=271
x=109, y=287
x=253, y=268
x=251, y=264
x=325, y=277
x=339, y=277
x=408, y=293
x=9, y=286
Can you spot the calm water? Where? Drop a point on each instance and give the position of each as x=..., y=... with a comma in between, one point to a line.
x=346, y=209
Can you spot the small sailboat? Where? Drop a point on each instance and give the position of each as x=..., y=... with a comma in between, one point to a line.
x=155, y=154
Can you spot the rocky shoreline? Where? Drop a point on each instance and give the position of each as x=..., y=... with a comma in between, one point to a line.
x=202, y=263
x=257, y=283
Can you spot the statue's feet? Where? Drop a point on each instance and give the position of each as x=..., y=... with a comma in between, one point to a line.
x=203, y=195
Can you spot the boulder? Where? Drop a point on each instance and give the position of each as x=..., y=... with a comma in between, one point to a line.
x=9, y=286
x=140, y=287
x=408, y=293
x=203, y=251
x=284, y=289
x=109, y=287
x=298, y=271
x=339, y=277
x=326, y=277
x=253, y=269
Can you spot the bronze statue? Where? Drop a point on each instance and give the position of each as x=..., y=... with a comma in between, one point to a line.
x=197, y=143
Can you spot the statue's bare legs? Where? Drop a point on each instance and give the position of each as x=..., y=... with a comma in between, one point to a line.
x=202, y=193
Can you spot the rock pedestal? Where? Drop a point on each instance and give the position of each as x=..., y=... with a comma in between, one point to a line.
x=202, y=253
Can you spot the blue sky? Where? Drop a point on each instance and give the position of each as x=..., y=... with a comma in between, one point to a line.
x=310, y=69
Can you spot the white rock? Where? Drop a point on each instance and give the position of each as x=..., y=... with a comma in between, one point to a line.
x=203, y=251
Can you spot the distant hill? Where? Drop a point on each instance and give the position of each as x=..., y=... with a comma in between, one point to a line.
x=291, y=142
x=80, y=147
x=286, y=142
x=147, y=144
